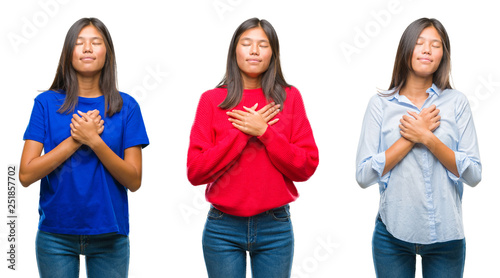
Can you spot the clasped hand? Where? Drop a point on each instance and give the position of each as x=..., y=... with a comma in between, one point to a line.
x=417, y=127
x=254, y=122
x=86, y=126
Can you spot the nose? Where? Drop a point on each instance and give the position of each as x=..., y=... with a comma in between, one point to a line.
x=87, y=47
x=426, y=48
x=254, y=49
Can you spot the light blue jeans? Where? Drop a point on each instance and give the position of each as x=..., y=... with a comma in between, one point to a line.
x=394, y=258
x=58, y=255
x=268, y=237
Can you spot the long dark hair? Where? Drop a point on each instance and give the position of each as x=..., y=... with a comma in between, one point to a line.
x=402, y=63
x=272, y=82
x=66, y=79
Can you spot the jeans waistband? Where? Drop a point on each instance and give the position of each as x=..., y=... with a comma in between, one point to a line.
x=262, y=213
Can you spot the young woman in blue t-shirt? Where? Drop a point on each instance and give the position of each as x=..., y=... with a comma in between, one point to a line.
x=92, y=136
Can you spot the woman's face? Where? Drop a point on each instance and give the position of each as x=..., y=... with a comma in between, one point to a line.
x=253, y=53
x=427, y=53
x=89, y=53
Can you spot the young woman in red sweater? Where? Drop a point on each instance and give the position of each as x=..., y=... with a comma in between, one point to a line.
x=250, y=141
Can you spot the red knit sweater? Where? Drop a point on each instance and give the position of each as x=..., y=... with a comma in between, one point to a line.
x=247, y=175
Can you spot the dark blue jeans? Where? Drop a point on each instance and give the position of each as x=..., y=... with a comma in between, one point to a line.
x=394, y=258
x=268, y=237
x=58, y=255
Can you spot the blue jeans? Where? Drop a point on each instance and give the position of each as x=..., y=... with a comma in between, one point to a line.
x=268, y=237
x=395, y=258
x=58, y=255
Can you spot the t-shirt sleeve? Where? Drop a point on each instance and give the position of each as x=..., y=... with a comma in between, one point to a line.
x=36, y=126
x=135, y=131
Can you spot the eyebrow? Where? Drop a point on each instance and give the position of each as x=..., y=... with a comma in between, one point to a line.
x=249, y=39
x=92, y=38
x=433, y=40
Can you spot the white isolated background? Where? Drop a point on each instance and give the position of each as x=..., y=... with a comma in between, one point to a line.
x=337, y=53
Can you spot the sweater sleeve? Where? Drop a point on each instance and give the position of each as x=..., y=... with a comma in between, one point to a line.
x=209, y=157
x=296, y=157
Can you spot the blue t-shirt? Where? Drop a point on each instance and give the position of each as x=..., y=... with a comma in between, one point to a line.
x=80, y=196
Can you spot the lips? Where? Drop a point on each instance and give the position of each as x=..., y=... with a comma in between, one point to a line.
x=425, y=59
x=87, y=58
x=253, y=60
